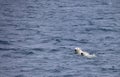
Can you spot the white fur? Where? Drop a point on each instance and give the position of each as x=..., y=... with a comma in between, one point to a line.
x=83, y=53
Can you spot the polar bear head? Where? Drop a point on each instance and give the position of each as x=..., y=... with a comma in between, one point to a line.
x=79, y=51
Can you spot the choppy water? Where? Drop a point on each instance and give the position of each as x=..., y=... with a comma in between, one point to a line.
x=38, y=37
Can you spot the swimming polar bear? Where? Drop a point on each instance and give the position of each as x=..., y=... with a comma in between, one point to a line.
x=83, y=53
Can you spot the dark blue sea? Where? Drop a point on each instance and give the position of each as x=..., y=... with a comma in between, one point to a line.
x=38, y=37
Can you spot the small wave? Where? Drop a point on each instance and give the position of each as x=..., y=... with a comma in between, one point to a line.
x=104, y=29
x=19, y=76
x=4, y=42
x=83, y=41
x=6, y=49
x=107, y=29
x=38, y=49
x=68, y=75
x=70, y=39
x=24, y=52
x=6, y=55
x=110, y=69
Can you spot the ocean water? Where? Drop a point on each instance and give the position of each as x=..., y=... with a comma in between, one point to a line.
x=38, y=37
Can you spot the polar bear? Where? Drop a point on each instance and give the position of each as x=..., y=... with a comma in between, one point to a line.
x=83, y=53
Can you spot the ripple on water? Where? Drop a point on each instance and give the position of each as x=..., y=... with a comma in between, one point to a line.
x=5, y=42
x=19, y=75
x=38, y=49
x=24, y=52
x=8, y=49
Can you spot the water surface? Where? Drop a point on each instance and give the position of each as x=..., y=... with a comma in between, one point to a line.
x=38, y=37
